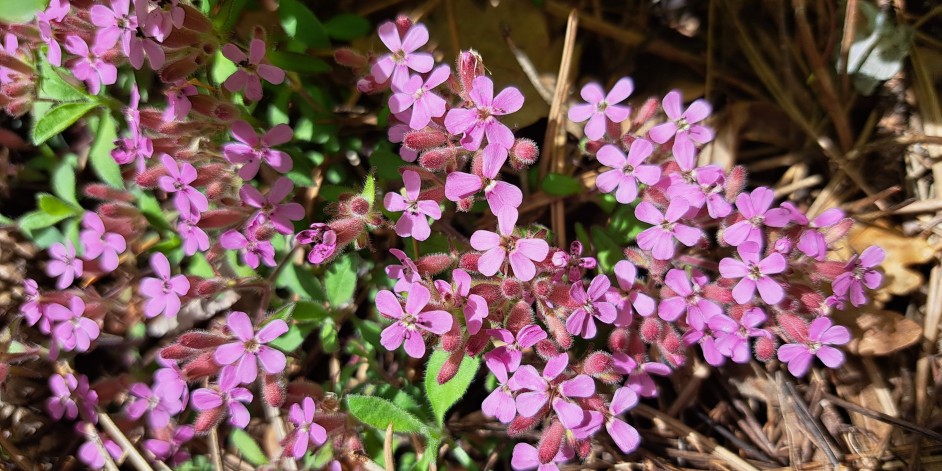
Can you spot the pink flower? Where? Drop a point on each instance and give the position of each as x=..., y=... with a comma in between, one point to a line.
x=159, y=403
x=626, y=171
x=689, y=299
x=64, y=264
x=600, y=106
x=194, y=238
x=660, y=238
x=100, y=244
x=500, y=402
x=403, y=56
x=115, y=23
x=574, y=261
x=32, y=309
x=682, y=127
x=405, y=274
x=160, y=21
x=178, y=101
x=408, y=322
x=473, y=306
x=413, y=222
x=254, y=251
x=230, y=396
x=90, y=454
x=732, y=338
x=164, y=291
x=755, y=274
x=859, y=272
x=324, y=240
x=481, y=120
x=639, y=375
x=526, y=456
x=242, y=357
x=754, y=208
x=498, y=247
x=591, y=306
x=270, y=207
x=502, y=197
x=548, y=387
x=306, y=432
x=813, y=242
x=187, y=199
x=55, y=13
x=136, y=147
x=252, y=150
x=417, y=96
x=624, y=435
x=68, y=394
x=251, y=70
x=72, y=331
x=169, y=444
x=88, y=66
x=625, y=275
x=821, y=334
x=510, y=352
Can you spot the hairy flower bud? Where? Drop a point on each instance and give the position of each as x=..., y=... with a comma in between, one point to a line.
x=618, y=340
x=208, y=419
x=490, y=292
x=523, y=154
x=424, y=139
x=650, y=329
x=208, y=288
x=521, y=315
x=201, y=339
x=794, y=326
x=177, y=352
x=104, y=192
x=550, y=442
x=645, y=113
x=200, y=367
x=764, y=349
x=433, y=264
x=195, y=20
x=520, y=424
x=735, y=182
x=451, y=340
x=148, y=178
x=478, y=342
x=274, y=390
x=470, y=66
x=558, y=330
x=597, y=363
x=450, y=367
x=511, y=288
x=350, y=58
x=437, y=159
x=220, y=218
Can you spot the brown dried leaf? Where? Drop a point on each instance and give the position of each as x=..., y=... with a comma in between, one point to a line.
x=878, y=332
x=901, y=253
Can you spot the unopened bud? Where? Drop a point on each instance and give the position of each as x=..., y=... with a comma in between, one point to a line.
x=195, y=19
x=220, y=218
x=180, y=69
x=597, y=363
x=523, y=154
x=208, y=419
x=521, y=424
x=350, y=58
x=490, y=292
x=735, y=182
x=424, y=139
x=510, y=288
x=795, y=327
x=450, y=367
x=148, y=178
x=478, y=342
x=451, y=340
x=645, y=113
x=470, y=66
x=618, y=340
x=208, y=288
x=469, y=261
x=438, y=159
x=210, y=173
x=403, y=23
x=200, y=367
x=106, y=193
x=433, y=264
x=764, y=349
x=201, y=339
x=521, y=315
x=550, y=442
x=274, y=390
x=650, y=330
x=177, y=352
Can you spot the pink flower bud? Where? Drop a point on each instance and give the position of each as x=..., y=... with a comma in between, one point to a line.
x=645, y=113
x=510, y=288
x=465, y=204
x=470, y=66
x=438, y=159
x=210, y=173
x=201, y=339
x=597, y=363
x=718, y=294
x=478, y=342
x=550, y=442
x=403, y=23
x=220, y=218
x=433, y=264
x=208, y=419
x=735, y=182
x=264, y=232
x=359, y=205
x=177, y=352
x=490, y=292
x=521, y=315
x=350, y=58
x=148, y=178
x=424, y=139
x=274, y=390
x=106, y=193
x=521, y=424
x=208, y=288
x=618, y=340
x=181, y=68
x=297, y=390
x=200, y=367
x=469, y=261
x=764, y=349
x=450, y=367
x=347, y=229
x=794, y=326
x=196, y=20
x=524, y=153
x=180, y=38
x=650, y=330
x=218, y=189
x=451, y=340
x=557, y=329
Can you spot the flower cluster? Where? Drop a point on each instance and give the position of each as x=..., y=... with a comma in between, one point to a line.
x=715, y=268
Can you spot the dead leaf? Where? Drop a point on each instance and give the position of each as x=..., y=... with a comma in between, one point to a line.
x=878, y=332
x=901, y=254
x=480, y=27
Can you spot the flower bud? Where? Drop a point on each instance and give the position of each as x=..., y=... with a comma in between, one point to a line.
x=274, y=390
x=217, y=189
x=558, y=330
x=521, y=424
x=510, y=288
x=403, y=23
x=735, y=182
x=650, y=329
x=470, y=66
x=618, y=340
x=523, y=154
x=201, y=339
x=220, y=218
x=195, y=19
x=347, y=229
x=207, y=288
x=297, y=390
x=478, y=342
x=263, y=232
x=438, y=159
x=469, y=261
x=424, y=139
x=450, y=367
x=645, y=113
x=451, y=340
x=764, y=349
x=718, y=294
x=148, y=178
x=179, y=69
x=597, y=363
x=521, y=315
x=177, y=352
x=550, y=442
x=465, y=204
x=433, y=264
x=210, y=173
x=795, y=327
x=180, y=38
x=104, y=192
x=350, y=58
x=490, y=292
x=208, y=419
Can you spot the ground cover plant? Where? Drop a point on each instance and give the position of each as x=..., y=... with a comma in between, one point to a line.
x=286, y=236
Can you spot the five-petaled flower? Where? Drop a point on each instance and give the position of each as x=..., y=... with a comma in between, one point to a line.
x=187, y=199
x=688, y=299
x=626, y=172
x=403, y=55
x=250, y=70
x=683, y=126
x=755, y=274
x=251, y=150
x=306, y=432
x=660, y=238
x=64, y=264
x=73, y=331
x=592, y=305
x=859, y=272
x=413, y=222
x=164, y=291
x=411, y=321
x=601, y=106
x=498, y=247
x=270, y=206
x=754, y=208
x=417, y=96
x=821, y=335
x=551, y=387
x=481, y=119
x=242, y=357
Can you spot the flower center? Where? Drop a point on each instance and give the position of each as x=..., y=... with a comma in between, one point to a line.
x=754, y=271
x=682, y=124
x=252, y=345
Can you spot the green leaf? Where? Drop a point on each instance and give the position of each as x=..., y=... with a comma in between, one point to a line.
x=369, y=189
x=20, y=11
x=58, y=119
x=248, y=447
x=608, y=252
x=297, y=62
x=299, y=22
x=222, y=68
x=379, y=413
x=293, y=338
x=151, y=210
x=329, y=336
x=310, y=311
x=347, y=26
x=55, y=207
x=53, y=87
x=341, y=280
x=284, y=313
x=386, y=164
x=63, y=180
x=38, y=220
x=100, y=154
x=227, y=16
x=561, y=185
x=431, y=453
x=442, y=396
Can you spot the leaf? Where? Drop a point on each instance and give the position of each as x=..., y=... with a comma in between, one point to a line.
x=299, y=22
x=248, y=447
x=55, y=207
x=879, y=49
x=38, y=220
x=369, y=189
x=293, y=338
x=58, y=119
x=63, y=180
x=329, y=336
x=100, y=154
x=227, y=16
x=341, y=280
x=379, y=413
x=310, y=311
x=561, y=185
x=20, y=11
x=430, y=455
x=297, y=62
x=284, y=313
x=442, y=396
x=607, y=250
x=878, y=332
x=346, y=26
x=386, y=163
x=53, y=87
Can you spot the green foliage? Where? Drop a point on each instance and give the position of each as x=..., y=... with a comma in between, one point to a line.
x=63, y=180
x=20, y=11
x=53, y=87
x=442, y=396
x=297, y=62
x=100, y=154
x=51, y=211
x=379, y=413
x=561, y=185
x=341, y=280
x=58, y=119
x=347, y=26
x=300, y=23
x=247, y=447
